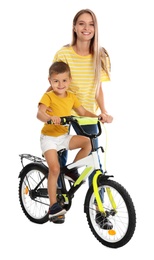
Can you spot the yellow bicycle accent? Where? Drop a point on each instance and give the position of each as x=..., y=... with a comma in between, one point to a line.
x=96, y=192
x=82, y=176
x=111, y=198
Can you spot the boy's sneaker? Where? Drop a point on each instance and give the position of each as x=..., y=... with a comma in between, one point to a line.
x=72, y=175
x=103, y=222
x=56, y=210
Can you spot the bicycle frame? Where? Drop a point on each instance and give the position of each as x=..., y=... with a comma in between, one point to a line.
x=108, y=206
x=91, y=164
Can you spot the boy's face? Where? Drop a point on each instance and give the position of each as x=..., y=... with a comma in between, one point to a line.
x=60, y=82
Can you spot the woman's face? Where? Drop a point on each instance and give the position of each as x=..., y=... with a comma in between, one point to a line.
x=84, y=27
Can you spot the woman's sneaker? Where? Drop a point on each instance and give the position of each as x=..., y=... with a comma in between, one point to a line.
x=56, y=210
x=103, y=222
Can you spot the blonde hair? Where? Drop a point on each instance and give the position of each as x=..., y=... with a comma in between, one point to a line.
x=100, y=56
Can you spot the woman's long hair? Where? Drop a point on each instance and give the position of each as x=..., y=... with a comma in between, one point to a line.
x=100, y=56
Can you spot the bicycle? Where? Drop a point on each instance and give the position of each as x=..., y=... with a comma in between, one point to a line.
x=117, y=205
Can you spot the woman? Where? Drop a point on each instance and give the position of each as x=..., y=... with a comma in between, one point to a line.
x=90, y=66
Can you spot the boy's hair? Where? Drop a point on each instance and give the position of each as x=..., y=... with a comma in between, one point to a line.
x=59, y=67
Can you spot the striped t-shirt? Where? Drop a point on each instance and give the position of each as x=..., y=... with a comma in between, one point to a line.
x=82, y=76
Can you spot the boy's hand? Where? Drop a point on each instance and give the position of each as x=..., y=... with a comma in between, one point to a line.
x=56, y=120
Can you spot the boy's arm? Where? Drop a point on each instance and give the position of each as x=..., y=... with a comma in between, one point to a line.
x=42, y=114
x=81, y=111
x=44, y=117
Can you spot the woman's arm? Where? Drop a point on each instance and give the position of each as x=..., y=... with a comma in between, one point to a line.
x=81, y=111
x=100, y=101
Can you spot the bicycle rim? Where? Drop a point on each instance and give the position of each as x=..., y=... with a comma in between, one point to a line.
x=123, y=221
x=35, y=207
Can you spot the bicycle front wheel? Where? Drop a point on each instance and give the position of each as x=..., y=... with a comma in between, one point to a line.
x=121, y=214
x=33, y=195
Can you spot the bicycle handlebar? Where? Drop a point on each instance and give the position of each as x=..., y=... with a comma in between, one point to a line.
x=74, y=119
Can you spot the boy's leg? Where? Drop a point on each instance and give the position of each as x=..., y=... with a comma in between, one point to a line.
x=54, y=169
x=91, y=129
x=63, y=160
x=82, y=142
x=55, y=209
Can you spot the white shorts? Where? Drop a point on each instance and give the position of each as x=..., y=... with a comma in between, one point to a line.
x=57, y=143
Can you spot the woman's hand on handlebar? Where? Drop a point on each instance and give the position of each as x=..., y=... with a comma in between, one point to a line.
x=105, y=118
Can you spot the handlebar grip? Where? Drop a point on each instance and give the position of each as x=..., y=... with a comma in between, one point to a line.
x=49, y=122
x=64, y=120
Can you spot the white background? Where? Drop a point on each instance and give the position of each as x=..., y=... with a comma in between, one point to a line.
x=30, y=34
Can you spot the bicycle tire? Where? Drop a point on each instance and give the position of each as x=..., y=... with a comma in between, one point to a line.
x=124, y=221
x=35, y=208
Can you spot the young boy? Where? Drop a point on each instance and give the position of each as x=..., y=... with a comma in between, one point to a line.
x=53, y=105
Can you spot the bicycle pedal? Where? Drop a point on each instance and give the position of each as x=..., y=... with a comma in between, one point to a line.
x=58, y=219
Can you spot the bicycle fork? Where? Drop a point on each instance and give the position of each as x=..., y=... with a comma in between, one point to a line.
x=97, y=195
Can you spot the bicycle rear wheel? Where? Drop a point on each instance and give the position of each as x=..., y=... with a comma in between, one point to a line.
x=33, y=194
x=123, y=218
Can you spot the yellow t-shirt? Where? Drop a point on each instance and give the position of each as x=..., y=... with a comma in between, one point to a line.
x=60, y=107
x=82, y=84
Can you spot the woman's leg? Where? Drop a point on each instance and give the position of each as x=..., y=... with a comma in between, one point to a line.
x=62, y=162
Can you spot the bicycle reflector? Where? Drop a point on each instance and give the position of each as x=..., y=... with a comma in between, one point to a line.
x=111, y=232
x=26, y=190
